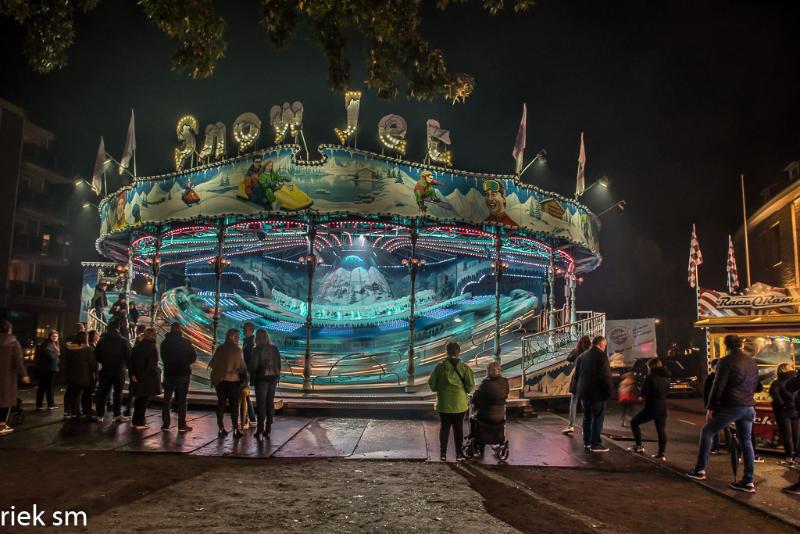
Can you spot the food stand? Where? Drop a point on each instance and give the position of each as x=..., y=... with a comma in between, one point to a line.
x=768, y=318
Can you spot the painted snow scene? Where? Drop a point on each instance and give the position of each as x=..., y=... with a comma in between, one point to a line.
x=273, y=181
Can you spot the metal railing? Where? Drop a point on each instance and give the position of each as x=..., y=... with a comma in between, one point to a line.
x=549, y=344
x=93, y=322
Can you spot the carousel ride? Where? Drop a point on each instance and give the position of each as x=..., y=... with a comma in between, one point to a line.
x=359, y=266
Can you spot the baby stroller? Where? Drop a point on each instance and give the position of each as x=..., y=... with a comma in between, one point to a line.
x=482, y=434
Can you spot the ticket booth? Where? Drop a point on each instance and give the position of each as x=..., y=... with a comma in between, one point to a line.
x=769, y=321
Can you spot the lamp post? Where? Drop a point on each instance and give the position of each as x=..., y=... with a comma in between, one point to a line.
x=155, y=262
x=551, y=298
x=499, y=266
x=603, y=182
x=621, y=205
x=219, y=263
x=310, y=261
x=540, y=156
x=413, y=263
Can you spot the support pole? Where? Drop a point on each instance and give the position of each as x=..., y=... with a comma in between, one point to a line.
x=498, y=275
x=746, y=239
x=413, y=265
x=551, y=279
x=156, y=262
x=218, y=267
x=573, y=313
x=311, y=265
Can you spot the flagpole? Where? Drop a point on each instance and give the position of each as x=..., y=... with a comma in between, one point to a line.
x=746, y=239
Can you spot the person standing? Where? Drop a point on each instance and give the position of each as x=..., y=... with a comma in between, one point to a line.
x=12, y=369
x=48, y=358
x=248, y=345
x=145, y=377
x=731, y=401
x=119, y=313
x=80, y=369
x=228, y=372
x=654, y=392
x=100, y=300
x=265, y=373
x=594, y=387
x=452, y=381
x=783, y=407
x=583, y=345
x=114, y=355
x=177, y=357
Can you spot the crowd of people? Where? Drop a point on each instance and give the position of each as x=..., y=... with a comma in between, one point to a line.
x=96, y=368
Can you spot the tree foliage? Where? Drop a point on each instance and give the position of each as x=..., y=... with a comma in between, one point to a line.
x=397, y=53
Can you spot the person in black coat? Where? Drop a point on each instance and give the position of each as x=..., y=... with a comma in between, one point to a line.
x=145, y=376
x=594, y=387
x=48, y=357
x=490, y=397
x=177, y=355
x=654, y=391
x=114, y=355
x=785, y=411
x=80, y=368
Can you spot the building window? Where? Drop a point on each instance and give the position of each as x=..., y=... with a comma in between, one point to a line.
x=45, y=244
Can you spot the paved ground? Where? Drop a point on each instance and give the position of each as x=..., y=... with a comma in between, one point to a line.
x=356, y=475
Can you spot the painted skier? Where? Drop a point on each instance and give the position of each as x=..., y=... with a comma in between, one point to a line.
x=424, y=190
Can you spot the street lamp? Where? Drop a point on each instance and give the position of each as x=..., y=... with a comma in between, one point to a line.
x=602, y=182
x=621, y=205
x=541, y=156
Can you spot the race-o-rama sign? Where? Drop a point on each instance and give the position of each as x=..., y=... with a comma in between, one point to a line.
x=759, y=299
x=273, y=182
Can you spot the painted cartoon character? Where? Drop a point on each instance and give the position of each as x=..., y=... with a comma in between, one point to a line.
x=189, y=195
x=494, y=194
x=269, y=182
x=424, y=190
x=119, y=212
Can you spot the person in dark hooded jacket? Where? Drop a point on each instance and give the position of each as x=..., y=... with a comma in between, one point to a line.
x=593, y=375
x=654, y=391
x=113, y=353
x=783, y=407
x=80, y=370
x=177, y=355
x=145, y=376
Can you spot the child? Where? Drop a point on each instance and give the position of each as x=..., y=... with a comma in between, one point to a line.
x=627, y=394
x=654, y=392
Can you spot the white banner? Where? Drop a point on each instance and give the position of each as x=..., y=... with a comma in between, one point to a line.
x=633, y=338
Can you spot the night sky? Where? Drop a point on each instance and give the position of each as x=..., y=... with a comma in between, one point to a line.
x=676, y=99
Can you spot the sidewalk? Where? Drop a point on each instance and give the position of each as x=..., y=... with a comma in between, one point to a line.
x=686, y=418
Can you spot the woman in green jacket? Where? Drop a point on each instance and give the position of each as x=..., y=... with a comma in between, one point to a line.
x=452, y=381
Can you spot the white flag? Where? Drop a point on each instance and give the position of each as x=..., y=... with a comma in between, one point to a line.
x=99, y=168
x=130, y=146
x=519, y=144
x=580, y=186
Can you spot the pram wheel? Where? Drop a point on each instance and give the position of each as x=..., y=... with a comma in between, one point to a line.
x=469, y=448
x=501, y=451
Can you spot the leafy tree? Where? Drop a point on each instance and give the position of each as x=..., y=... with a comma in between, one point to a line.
x=397, y=53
